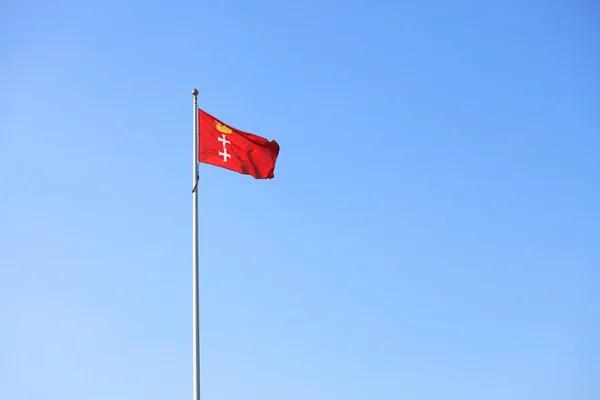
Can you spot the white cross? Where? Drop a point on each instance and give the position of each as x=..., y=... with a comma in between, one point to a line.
x=224, y=140
x=225, y=154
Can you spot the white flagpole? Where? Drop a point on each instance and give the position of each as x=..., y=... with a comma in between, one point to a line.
x=195, y=269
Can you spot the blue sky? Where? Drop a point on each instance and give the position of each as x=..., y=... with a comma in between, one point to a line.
x=432, y=231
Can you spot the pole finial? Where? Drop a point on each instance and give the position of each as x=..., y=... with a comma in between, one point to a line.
x=195, y=92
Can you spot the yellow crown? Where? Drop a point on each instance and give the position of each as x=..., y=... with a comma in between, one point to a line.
x=223, y=128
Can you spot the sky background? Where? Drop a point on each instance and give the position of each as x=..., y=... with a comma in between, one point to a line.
x=432, y=231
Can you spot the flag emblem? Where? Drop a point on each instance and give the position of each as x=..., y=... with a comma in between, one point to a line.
x=223, y=128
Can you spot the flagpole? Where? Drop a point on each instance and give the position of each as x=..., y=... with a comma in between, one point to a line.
x=195, y=269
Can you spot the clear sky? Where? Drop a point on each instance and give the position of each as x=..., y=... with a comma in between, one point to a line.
x=432, y=231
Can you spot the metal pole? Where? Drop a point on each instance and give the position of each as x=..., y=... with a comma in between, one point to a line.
x=195, y=269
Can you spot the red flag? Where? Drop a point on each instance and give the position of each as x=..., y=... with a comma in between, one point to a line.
x=227, y=147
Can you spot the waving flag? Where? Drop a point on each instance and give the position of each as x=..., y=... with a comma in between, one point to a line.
x=224, y=146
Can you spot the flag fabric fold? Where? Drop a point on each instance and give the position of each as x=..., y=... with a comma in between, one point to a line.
x=224, y=146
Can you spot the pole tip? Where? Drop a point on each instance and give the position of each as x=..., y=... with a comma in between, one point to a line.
x=195, y=92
